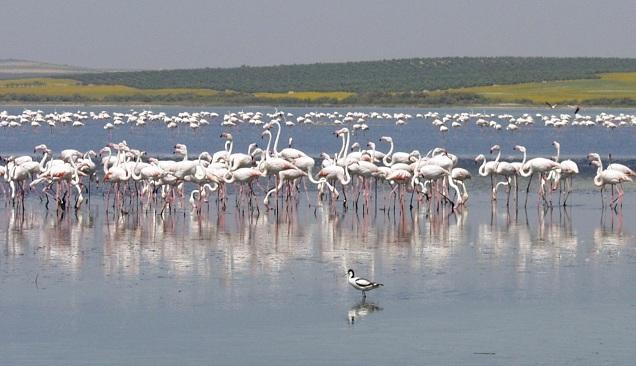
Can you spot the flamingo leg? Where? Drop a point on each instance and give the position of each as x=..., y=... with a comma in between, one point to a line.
x=528, y=189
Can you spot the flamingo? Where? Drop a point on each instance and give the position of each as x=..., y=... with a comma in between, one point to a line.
x=504, y=169
x=486, y=168
x=611, y=177
x=391, y=157
x=460, y=175
x=568, y=169
x=620, y=167
x=542, y=166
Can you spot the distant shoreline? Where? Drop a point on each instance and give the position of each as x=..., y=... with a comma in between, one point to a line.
x=337, y=106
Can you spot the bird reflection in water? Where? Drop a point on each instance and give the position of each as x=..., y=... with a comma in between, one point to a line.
x=360, y=310
x=609, y=237
x=235, y=243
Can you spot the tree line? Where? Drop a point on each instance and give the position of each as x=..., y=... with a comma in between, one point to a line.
x=234, y=98
x=400, y=75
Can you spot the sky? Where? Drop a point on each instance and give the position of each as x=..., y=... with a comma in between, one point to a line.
x=164, y=34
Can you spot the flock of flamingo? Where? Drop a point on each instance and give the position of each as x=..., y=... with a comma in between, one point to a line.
x=351, y=173
x=357, y=120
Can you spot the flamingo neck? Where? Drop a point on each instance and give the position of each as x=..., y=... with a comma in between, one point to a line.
x=346, y=150
x=452, y=184
x=133, y=174
x=277, y=137
x=107, y=162
x=342, y=147
x=482, y=168
x=597, y=179
x=373, y=154
x=185, y=154
x=523, y=162
x=310, y=176
x=43, y=161
x=347, y=179
x=387, y=158
x=269, y=142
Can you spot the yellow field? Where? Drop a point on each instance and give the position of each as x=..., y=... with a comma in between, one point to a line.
x=305, y=95
x=612, y=85
x=51, y=87
x=67, y=87
x=608, y=86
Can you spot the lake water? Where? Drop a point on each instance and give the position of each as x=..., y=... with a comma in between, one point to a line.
x=419, y=134
x=484, y=285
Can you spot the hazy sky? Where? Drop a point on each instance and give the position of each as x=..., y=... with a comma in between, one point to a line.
x=197, y=33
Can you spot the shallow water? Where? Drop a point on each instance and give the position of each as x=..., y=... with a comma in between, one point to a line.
x=418, y=133
x=473, y=287
x=484, y=286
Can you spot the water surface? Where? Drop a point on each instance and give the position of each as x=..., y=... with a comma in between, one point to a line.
x=484, y=285
x=479, y=287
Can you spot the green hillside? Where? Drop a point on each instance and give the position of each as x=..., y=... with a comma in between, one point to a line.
x=401, y=75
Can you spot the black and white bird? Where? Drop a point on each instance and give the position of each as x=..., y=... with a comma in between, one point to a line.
x=361, y=284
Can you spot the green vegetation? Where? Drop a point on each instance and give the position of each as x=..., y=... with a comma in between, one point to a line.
x=309, y=95
x=608, y=89
x=66, y=90
x=47, y=90
x=403, y=75
x=451, y=81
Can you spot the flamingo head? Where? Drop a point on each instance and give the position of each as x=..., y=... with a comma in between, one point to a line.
x=341, y=131
x=386, y=139
x=495, y=148
x=593, y=157
x=206, y=156
x=256, y=152
x=479, y=158
x=180, y=149
x=520, y=148
x=40, y=147
x=436, y=151
x=371, y=145
x=556, y=144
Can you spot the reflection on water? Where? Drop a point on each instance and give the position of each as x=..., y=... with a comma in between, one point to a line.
x=360, y=310
x=233, y=278
x=610, y=238
x=236, y=242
